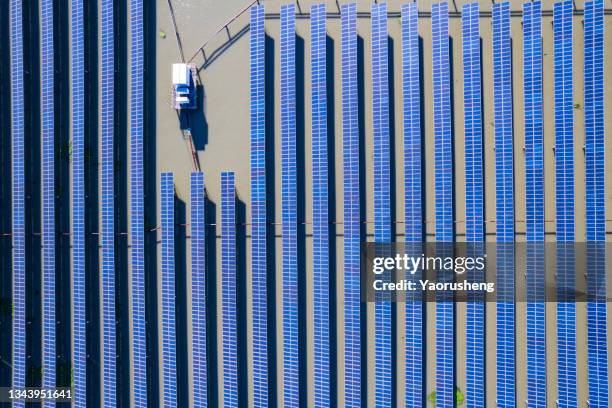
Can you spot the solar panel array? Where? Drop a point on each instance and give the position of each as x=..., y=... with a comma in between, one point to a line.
x=79, y=329
x=534, y=201
x=382, y=195
x=352, y=212
x=198, y=289
x=320, y=207
x=168, y=296
x=564, y=175
x=18, y=197
x=504, y=188
x=474, y=208
x=47, y=109
x=445, y=309
x=413, y=183
x=595, y=201
x=228, y=290
x=289, y=209
x=107, y=128
x=258, y=210
x=139, y=336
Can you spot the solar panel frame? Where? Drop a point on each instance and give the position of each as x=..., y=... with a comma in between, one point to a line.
x=138, y=312
x=504, y=186
x=289, y=209
x=382, y=196
x=107, y=193
x=320, y=207
x=595, y=201
x=18, y=197
x=444, y=208
x=47, y=111
x=352, y=210
x=413, y=186
x=228, y=290
x=79, y=328
x=474, y=206
x=198, y=290
x=168, y=289
x=534, y=204
x=564, y=190
x=258, y=209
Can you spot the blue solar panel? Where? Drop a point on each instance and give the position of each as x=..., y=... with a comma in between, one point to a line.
x=17, y=204
x=474, y=208
x=107, y=125
x=320, y=208
x=258, y=210
x=382, y=195
x=352, y=224
x=413, y=212
x=534, y=202
x=289, y=209
x=168, y=290
x=595, y=200
x=564, y=162
x=504, y=188
x=198, y=289
x=48, y=193
x=445, y=310
x=79, y=341
x=228, y=290
x=139, y=336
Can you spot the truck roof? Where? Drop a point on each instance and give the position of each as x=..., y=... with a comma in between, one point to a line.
x=180, y=74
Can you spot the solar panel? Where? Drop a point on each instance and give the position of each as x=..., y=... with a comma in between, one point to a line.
x=79, y=337
x=198, y=289
x=382, y=195
x=504, y=189
x=412, y=197
x=18, y=195
x=107, y=121
x=534, y=201
x=320, y=207
x=474, y=208
x=228, y=290
x=595, y=200
x=289, y=209
x=258, y=210
x=48, y=193
x=168, y=290
x=352, y=215
x=139, y=336
x=445, y=309
x=564, y=163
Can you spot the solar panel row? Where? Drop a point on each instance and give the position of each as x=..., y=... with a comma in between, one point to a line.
x=534, y=202
x=564, y=178
x=139, y=336
x=289, y=209
x=47, y=109
x=320, y=207
x=445, y=309
x=228, y=290
x=107, y=125
x=474, y=208
x=382, y=196
x=595, y=201
x=198, y=289
x=413, y=212
x=18, y=196
x=352, y=211
x=504, y=188
x=79, y=330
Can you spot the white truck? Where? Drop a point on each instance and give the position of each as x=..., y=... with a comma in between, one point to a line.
x=184, y=94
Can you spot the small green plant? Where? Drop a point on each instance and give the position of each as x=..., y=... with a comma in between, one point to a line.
x=162, y=34
x=577, y=106
x=459, y=397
